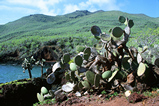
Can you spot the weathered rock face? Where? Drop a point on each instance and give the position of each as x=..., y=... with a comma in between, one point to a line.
x=46, y=52
x=12, y=57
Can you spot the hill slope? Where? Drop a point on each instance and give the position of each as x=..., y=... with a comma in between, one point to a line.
x=73, y=22
x=29, y=33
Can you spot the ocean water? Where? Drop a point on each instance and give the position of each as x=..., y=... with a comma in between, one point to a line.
x=15, y=72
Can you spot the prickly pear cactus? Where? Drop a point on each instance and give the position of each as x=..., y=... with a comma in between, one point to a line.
x=44, y=90
x=86, y=84
x=66, y=58
x=90, y=77
x=117, y=32
x=78, y=60
x=107, y=74
x=73, y=67
x=141, y=69
x=97, y=80
x=109, y=62
x=40, y=97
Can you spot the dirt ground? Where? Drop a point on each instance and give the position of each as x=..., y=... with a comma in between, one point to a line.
x=120, y=100
x=116, y=101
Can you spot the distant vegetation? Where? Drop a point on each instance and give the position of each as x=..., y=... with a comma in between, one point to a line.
x=30, y=33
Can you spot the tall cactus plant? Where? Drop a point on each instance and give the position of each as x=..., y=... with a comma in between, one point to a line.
x=90, y=68
x=28, y=65
x=41, y=64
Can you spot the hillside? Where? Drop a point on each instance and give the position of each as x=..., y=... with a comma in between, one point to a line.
x=28, y=34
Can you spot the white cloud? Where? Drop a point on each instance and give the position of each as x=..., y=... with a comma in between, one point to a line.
x=104, y=4
x=48, y=7
x=93, y=5
x=70, y=8
x=43, y=5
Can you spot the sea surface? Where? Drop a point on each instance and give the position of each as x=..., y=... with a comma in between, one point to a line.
x=14, y=72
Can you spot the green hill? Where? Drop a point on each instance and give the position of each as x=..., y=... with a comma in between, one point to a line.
x=30, y=33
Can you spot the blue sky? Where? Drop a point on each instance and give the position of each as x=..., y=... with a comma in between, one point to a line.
x=11, y=10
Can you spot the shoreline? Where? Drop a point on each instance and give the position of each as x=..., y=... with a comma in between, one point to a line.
x=11, y=72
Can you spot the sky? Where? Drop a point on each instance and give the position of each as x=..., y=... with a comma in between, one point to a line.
x=11, y=10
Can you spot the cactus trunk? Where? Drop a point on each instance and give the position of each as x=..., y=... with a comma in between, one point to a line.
x=29, y=73
x=41, y=71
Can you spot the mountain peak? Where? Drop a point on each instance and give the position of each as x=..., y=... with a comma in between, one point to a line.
x=78, y=13
x=83, y=11
x=99, y=11
x=39, y=18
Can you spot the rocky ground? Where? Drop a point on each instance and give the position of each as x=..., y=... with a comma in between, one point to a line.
x=120, y=100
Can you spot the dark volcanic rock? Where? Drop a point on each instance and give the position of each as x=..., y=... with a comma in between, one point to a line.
x=135, y=97
x=46, y=52
x=11, y=57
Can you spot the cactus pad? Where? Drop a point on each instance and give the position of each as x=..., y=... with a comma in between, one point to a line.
x=117, y=32
x=44, y=90
x=122, y=19
x=87, y=51
x=80, y=85
x=85, y=84
x=139, y=58
x=66, y=58
x=126, y=65
x=50, y=78
x=67, y=77
x=113, y=74
x=56, y=66
x=97, y=80
x=73, y=67
x=130, y=23
x=73, y=76
x=141, y=69
x=40, y=97
x=78, y=60
x=90, y=77
x=96, y=31
x=86, y=57
x=121, y=74
x=107, y=74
